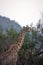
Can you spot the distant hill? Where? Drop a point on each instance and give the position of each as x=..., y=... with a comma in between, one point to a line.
x=6, y=23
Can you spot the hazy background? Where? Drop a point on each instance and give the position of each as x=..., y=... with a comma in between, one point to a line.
x=23, y=11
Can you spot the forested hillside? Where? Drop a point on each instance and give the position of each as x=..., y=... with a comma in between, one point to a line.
x=6, y=24
x=31, y=52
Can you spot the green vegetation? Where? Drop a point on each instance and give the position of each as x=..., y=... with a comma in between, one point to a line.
x=7, y=39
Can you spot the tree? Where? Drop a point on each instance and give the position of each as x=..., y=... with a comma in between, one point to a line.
x=12, y=35
x=7, y=39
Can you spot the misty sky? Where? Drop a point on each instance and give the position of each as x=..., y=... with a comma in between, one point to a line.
x=23, y=11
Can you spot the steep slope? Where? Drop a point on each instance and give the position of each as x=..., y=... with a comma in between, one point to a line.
x=6, y=23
